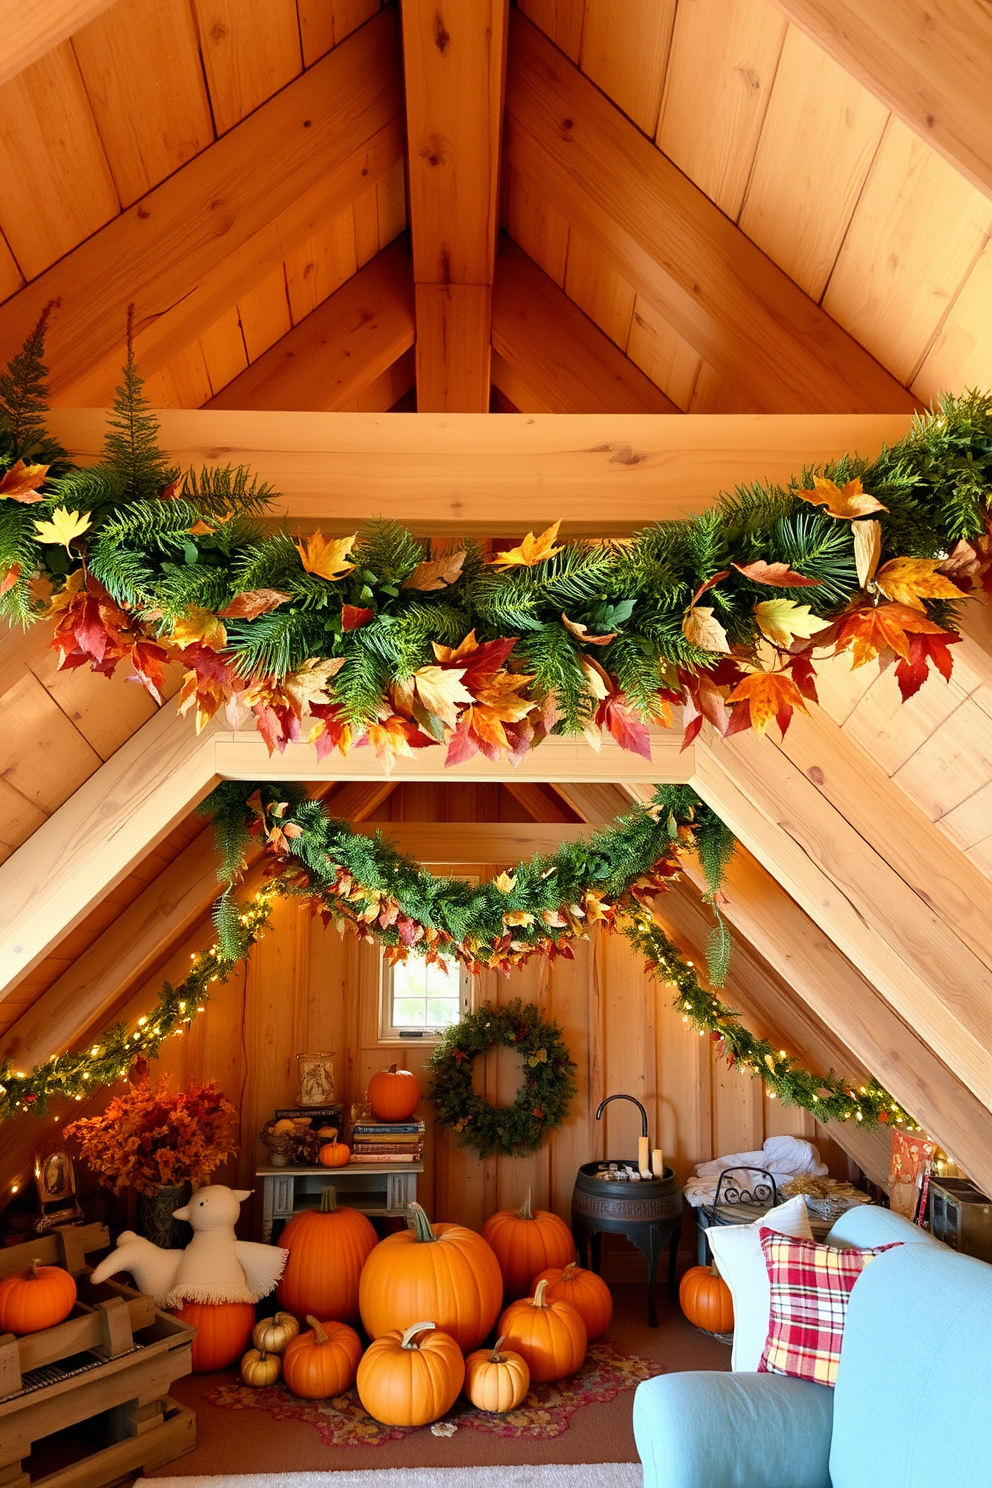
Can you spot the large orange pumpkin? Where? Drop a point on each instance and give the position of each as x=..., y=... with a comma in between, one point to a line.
x=445, y=1272
x=409, y=1378
x=322, y=1362
x=37, y=1298
x=393, y=1094
x=526, y=1243
x=327, y=1249
x=583, y=1290
x=222, y=1332
x=705, y=1299
x=496, y=1381
x=551, y=1336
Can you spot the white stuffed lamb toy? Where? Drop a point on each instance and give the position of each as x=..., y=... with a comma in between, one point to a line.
x=214, y=1267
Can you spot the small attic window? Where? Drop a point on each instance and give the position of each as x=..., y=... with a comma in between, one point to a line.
x=419, y=1001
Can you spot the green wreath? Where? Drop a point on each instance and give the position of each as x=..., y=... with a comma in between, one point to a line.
x=542, y=1100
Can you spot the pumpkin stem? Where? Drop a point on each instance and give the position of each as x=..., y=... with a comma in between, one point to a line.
x=33, y=1269
x=392, y=1069
x=496, y=1357
x=318, y=1328
x=525, y=1211
x=421, y=1225
x=407, y=1340
x=569, y=1271
x=538, y=1298
x=328, y=1201
x=263, y=1353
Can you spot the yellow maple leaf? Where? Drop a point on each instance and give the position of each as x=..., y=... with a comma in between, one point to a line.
x=505, y=882
x=200, y=625
x=532, y=550
x=64, y=527
x=843, y=502
x=910, y=581
x=701, y=627
x=518, y=917
x=440, y=690
x=325, y=557
x=782, y=620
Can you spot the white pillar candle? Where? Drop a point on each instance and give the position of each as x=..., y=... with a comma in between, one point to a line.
x=658, y=1162
x=643, y=1150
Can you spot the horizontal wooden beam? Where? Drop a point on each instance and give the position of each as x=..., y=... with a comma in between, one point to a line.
x=928, y=63
x=476, y=842
x=30, y=30
x=559, y=361
x=604, y=474
x=339, y=349
x=234, y=211
x=743, y=314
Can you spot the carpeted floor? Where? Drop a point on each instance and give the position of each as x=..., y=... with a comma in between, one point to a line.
x=543, y=1475
x=253, y=1441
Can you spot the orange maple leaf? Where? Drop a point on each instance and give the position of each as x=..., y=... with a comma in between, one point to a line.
x=199, y=624
x=909, y=581
x=870, y=629
x=843, y=502
x=768, y=695
x=21, y=482
x=436, y=573
x=325, y=557
x=531, y=551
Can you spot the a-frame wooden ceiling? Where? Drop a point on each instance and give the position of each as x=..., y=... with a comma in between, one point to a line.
x=574, y=206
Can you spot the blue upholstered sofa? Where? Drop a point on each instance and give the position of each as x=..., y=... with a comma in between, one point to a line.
x=913, y=1403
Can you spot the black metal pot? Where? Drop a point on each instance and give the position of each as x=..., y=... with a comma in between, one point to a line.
x=614, y=1205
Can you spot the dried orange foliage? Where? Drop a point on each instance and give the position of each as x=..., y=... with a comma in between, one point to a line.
x=843, y=502
x=532, y=550
x=326, y=557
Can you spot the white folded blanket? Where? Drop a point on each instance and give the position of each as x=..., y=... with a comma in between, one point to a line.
x=783, y=1157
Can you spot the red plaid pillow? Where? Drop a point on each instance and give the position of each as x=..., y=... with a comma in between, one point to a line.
x=810, y=1286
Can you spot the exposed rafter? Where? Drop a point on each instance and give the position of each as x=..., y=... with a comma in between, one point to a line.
x=549, y=358
x=184, y=253
x=745, y=317
x=454, y=61
x=928, y=63
x=339, y=349
x=476, y=842
x=31, y=30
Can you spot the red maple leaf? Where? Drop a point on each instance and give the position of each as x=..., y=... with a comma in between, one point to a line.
x=616, y=714
x=925, y=651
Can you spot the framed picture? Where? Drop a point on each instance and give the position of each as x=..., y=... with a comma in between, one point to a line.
x=316, y=1079
x=55, y=1177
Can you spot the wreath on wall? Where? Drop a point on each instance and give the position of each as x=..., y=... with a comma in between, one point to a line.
x=542, y=1101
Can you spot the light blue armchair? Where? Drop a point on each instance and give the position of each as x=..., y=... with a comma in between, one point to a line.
x=912, y=1407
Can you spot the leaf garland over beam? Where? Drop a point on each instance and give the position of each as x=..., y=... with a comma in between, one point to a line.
x=380, y=640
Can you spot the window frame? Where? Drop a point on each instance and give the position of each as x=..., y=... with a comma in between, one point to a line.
x=394, y=1034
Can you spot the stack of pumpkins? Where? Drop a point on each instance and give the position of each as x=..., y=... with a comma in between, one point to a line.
x=427, y=1298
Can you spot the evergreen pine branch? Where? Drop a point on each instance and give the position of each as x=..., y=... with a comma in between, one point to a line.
x=24, y=401
x=131, y=444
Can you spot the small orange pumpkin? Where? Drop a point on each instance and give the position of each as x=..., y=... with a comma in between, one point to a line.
x=222, y=1332
x=409, y=1379
x=494, y=1381
x=705, y=1299
x=551, y=1336
x=322, y=1362
x=394, y=1094
x=527, y=1242
x=334, y=1155
x=37, y=1298
x=444, y=1271
x=583, y=1290
x=327, y=1249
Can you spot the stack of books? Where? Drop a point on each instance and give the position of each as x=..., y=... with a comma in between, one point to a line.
x=387, y=1141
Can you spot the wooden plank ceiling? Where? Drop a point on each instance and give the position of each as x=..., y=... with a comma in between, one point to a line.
x=246, y=172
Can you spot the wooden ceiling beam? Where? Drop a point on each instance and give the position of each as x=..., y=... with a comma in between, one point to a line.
x=30, y=30
x=927, y=63
x=745, y=317
x=459, y=843
x=339, y=349
x=184, y=252
x=605, y=474
x=558, y=361
x=540, y=802
x=454, y=62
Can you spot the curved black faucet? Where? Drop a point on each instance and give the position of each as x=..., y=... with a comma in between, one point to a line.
x=633, y=1098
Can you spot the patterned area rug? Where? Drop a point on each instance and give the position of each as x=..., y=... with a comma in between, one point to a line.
x=545, y=1413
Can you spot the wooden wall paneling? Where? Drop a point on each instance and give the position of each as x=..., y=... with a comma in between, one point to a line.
x=890, y=730
x=598, y=289
x=105, y=715
x=57, y=184
x=560, y=20
x=662, y=354
x=390, y=196
x=712, y=393
x=181, y=382
x=534, y=224
x=721, y=67
x=45, y=757
x=915, y=237
x=264, y=313
x=365, y=220
x=337, y=350
x=539, y=802
x=11, y=278
x=961, y=352
x=970, y=823
x=326, y=23
x=568, y=1006
x=322, y=264
x=820, y=135
x=840, y=687
x=952, y=765
x=454, y=72
x=29, y=31
x=19, y=819
x=223, y=347
x=624, y=51
x=250, y=50
x=389, y=387
x=263, y=181
x=449, y=476
x=140, y=65
x=675, y=247
x=925, y=62
x=512, y=391
x=559, y=353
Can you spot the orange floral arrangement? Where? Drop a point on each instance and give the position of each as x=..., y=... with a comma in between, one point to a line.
x=152, y=1138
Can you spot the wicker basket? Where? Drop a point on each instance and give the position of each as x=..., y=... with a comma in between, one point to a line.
x=290, y=1149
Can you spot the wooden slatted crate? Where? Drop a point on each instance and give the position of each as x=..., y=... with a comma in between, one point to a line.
x=108, y=1365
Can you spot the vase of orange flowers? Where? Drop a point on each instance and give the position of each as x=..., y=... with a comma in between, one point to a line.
x=161, y=1144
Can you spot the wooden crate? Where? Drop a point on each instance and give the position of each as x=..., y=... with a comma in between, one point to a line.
x=131, y=1353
